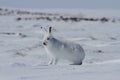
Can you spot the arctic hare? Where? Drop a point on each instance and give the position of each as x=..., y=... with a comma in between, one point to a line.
x=62, y=49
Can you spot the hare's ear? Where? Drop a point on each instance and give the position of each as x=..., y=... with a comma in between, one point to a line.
x=44, y=30
x=50, y=29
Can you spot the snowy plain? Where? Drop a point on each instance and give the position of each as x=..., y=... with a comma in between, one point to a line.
x=22, y=56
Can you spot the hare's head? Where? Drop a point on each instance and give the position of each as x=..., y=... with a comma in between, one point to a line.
x=47, y=35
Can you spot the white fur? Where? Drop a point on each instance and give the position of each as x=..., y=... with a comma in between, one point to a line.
x=59, y=49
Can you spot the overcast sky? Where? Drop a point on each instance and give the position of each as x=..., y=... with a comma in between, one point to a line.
x=64, y=4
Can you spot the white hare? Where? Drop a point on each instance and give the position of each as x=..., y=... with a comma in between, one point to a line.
x=62, y=49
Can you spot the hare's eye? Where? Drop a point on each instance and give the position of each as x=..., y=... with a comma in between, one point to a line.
x=48, y=38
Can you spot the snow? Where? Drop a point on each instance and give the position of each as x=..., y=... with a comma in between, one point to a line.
x=62, y=72
x=22, y=56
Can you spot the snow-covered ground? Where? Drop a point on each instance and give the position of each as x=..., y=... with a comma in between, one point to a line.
x=22, y=56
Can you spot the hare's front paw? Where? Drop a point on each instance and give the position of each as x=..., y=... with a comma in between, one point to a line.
x=53, y=61
x=50, y=62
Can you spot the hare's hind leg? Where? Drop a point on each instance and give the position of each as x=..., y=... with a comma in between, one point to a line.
x=80, y=63
x=77, y=63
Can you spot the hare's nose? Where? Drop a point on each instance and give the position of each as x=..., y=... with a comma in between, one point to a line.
x=44, y=43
